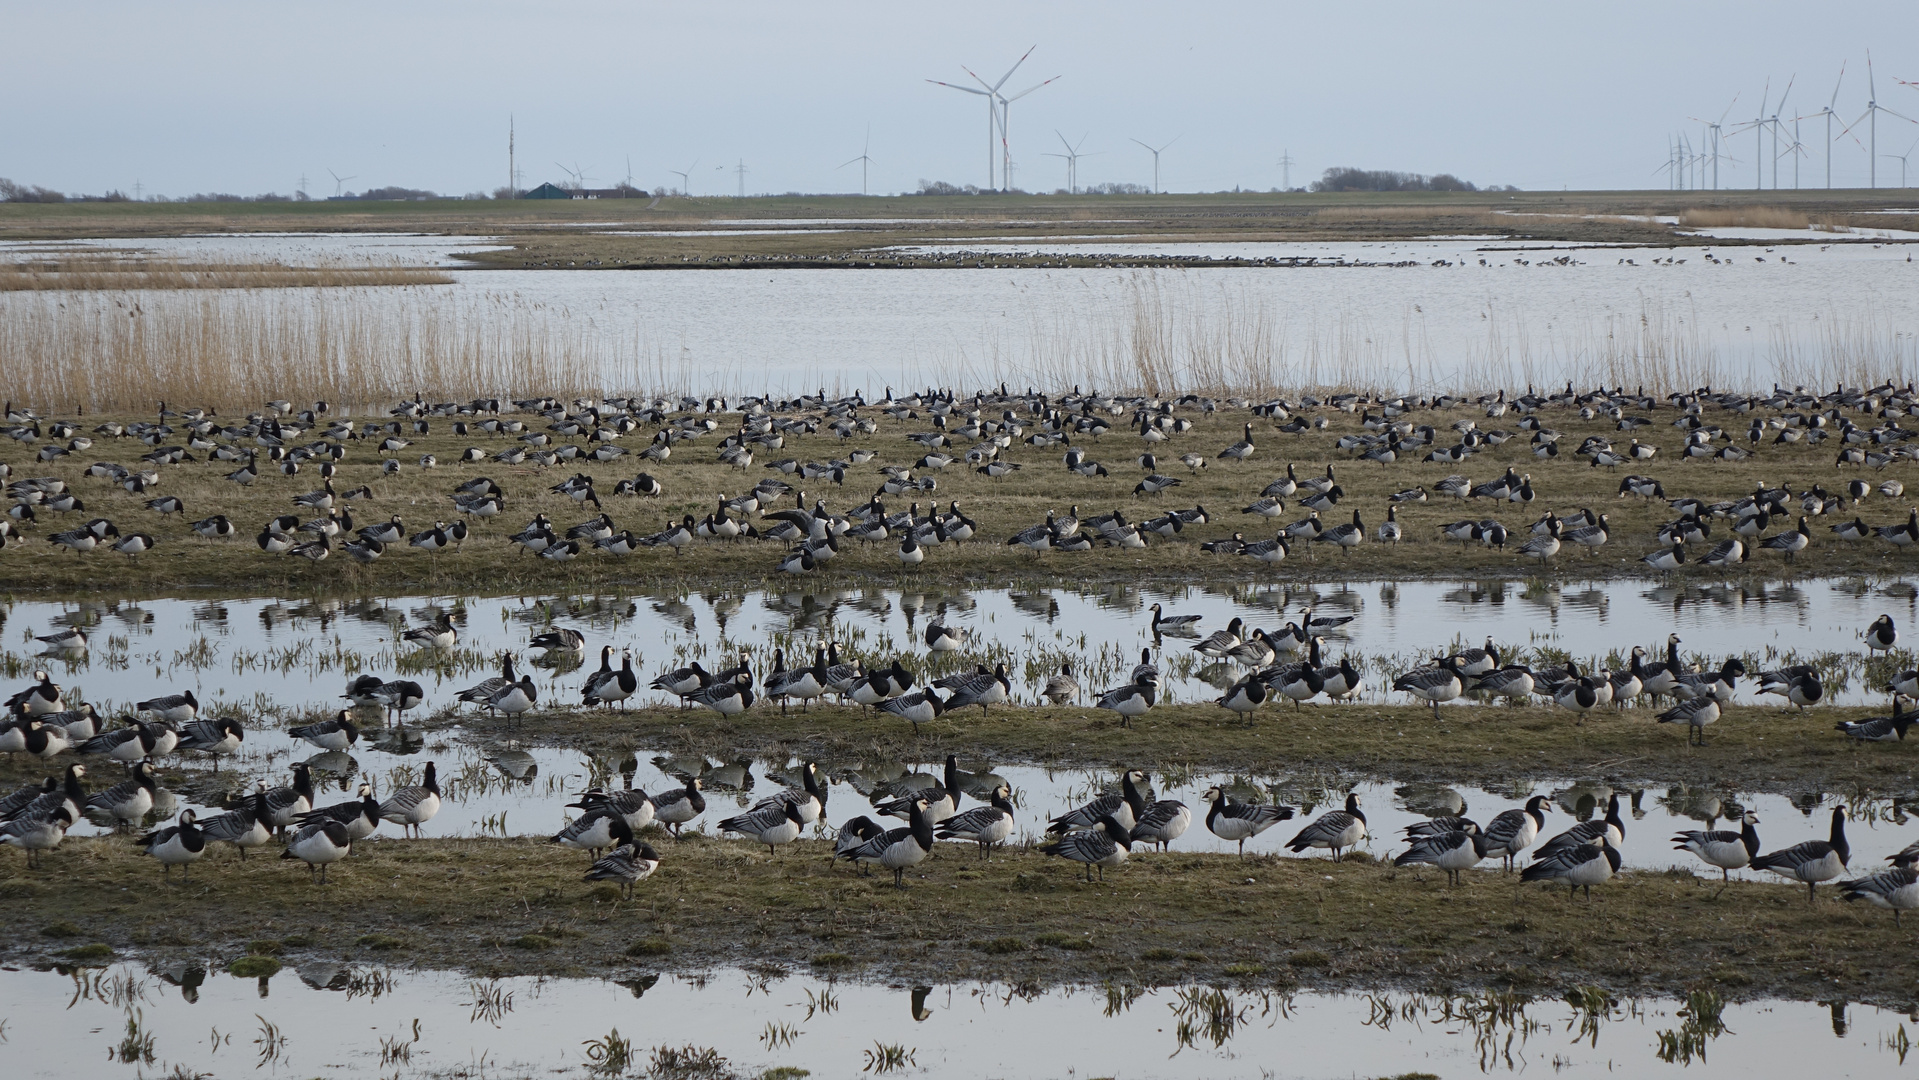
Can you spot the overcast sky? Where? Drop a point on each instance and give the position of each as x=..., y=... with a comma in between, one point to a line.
x=245, y=98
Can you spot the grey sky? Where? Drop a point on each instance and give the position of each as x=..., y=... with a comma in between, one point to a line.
x=246, y=97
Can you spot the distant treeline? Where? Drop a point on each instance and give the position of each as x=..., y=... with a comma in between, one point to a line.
x=1346, y=178
x=941, y=187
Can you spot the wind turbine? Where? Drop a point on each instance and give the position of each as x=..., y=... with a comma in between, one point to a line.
x=1873, y=109
x=862, y=159
x=686, y=177
x=995, y=119
x=1156, y=153
x=1828, y=113
x=1902, y=161
x=1005, y=120
x=1758, y=126
x=338, y=182
x=1072, y=156
x=1773, y=122
x=1714, y=128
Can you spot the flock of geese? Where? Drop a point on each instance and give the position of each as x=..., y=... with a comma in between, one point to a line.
x=980, y=433
x=1100, y=834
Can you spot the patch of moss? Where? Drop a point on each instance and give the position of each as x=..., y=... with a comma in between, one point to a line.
x=61, y=930
x=266, y=947
x=1160, y=956
x=254, y=967
x=832, y=959
x=296, y=941
x=1244, y=971
x=381, y=942
x=1000, y=946
x=650, y=947
x=532, y=941
x=84, y=954
x=1309, y=958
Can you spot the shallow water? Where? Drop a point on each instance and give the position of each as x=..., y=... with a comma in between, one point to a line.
x=324, y=1019
x=1389, y=313
x=295, y=656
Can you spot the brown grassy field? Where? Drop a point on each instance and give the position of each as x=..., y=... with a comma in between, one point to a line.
x=693, y=481
x=583, y=233
x=505, y=907
x=88, y=272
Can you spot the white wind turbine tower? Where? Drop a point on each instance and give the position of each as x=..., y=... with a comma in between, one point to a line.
x=1873, y=109
x=1758, y=126
x=1072, y=156
x=1902, y=162
x=1773, y=123
x=1156, y=153
x=991, y=94
x=686, y=177
x=1828, y=114
x=339, y=182
x=862, y=159
x=1005, y=120
x=1714, y=128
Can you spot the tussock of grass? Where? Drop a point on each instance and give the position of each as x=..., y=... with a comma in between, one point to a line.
x=1744, y=217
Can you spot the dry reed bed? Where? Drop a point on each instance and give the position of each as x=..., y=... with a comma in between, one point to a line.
x=231, y=349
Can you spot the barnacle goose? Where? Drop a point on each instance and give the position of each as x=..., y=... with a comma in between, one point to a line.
x=629, y=864
x=39, y=699
x=1106, y=844
x=1791, y=543
x=217, y=737
x=287, y=803
x=634, y=806
x=42, y=740
x=942, y=798
x=1727, y=850
x=855, y=832
x=438, y=634
x=1697, y=714
x=1582, y=865
x=399, y=696
x=607, y=686
x=245, y=826
x=983, y=825
x=1881, y=635
x=319, y=844
x=72, y=640
x=337, y=734
x=412, y=807
x=1611, y=828
x=1245, y=696
x=771, y=825
x=172, y=708
x=137, y=741
x=1452, y=852
x=1221, y=642
x=920, y=707
x=1177, y=625
x=1813, y=861
x=128, y=801
x=1896, y=890
x=1336, y=830
x=1124, y=806
x=36, y=835
x=983, y=689
x=515, y=698
x=1511, y=832
x=69, y=793
x=482, y=693
x=1061, y=688
x=1162, y=823
x=898, y=849
x=176, y=845
x=1881, y=728
x=674, y=809
x=1130, y=700
x=360, y=815
x=1433, y=684
x=1238, y=822
x=599, y=828
x=810, y=796
x=942, y=638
